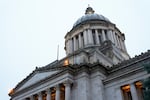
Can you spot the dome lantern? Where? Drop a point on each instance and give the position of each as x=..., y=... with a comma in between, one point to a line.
x=89, y=10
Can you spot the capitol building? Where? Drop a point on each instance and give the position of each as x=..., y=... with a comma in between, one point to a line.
x=97, y=66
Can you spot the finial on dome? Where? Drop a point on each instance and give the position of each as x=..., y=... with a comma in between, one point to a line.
x=89, y=10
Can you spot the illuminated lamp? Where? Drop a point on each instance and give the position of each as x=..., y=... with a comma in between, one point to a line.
x=66, y=62
x=138, y=84
x=11, y=91
x=126, y=88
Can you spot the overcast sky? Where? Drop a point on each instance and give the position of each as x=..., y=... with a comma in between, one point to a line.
x=31, y=30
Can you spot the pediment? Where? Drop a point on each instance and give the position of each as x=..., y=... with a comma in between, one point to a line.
x=96, y=55
x=36, y=77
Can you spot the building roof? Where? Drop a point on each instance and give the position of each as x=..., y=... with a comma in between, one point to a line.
x=90, y=16
x=143, y=58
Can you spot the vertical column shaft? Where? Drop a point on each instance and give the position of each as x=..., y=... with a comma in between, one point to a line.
x=40, y=96
x=124, y=45
x=74, y=41
x=103, y=35
x=48, y=92
x=69, y=46
x=133, y=92
x=67, y=91
x=80, y=41
x=31, y=97
x=85, y=37
x=108, y=35
x=90, y=37
x=121, y=43
x=115, y=40
x=97, y=37
x=57, y=97
x=112, y=37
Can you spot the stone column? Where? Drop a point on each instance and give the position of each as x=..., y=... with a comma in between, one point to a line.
x=31, y=97
x=118, y=94
x=110, y=36
x=85, y=37
x=124, y=46
x=66, y=45
x=48, y=92
x=121, y=43
x=39, y=96
x=69, y=46
x=74, y=41
x=103, y=35
x=80, y=41
x=119, y=39
x=72, y=45
x=97, y=37
x=97, y=88
x=67, y=90
x=57, y=97
x=90, y=37
x=115, y=40
x=133, y=92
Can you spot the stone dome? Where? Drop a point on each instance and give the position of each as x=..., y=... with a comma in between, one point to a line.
x=90, y=16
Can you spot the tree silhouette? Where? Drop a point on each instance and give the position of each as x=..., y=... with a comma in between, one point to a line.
x=147, y=83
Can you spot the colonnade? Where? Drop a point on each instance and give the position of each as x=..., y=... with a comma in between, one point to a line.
x=94, y=37
x=132, y=89
x=58, y=92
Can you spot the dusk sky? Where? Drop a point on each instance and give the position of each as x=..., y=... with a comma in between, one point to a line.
x=31, y=30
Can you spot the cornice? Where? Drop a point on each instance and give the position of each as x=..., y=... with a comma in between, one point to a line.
x=128, y=67
x=142, y=57
x=133, y=65
x=70, y=69
x=90, y=22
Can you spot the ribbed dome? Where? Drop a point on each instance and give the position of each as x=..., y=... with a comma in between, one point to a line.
x=90, y=16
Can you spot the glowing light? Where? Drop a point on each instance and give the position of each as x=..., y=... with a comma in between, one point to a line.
x=11, y=91
x=138, y=84
x=66, y=62
x=126, y=88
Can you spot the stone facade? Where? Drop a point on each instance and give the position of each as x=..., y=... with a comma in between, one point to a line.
x=96, y=67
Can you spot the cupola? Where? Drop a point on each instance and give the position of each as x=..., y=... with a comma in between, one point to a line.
x=94, y=38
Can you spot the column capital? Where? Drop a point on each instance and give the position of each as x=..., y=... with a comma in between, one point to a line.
x=48, y=90
x=57, y=87
x=40, y=94
x=68, y=82
x=31, y=97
